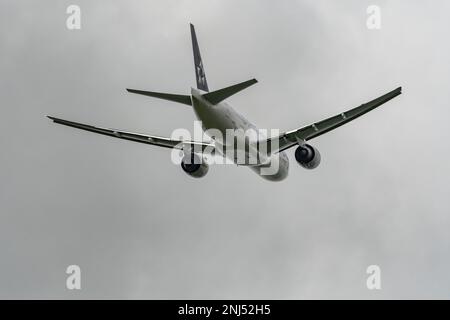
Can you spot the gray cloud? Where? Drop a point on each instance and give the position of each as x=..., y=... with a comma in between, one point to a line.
x=140, y=228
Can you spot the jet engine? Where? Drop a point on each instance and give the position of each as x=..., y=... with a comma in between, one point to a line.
x=307, y=156
x=194, y=166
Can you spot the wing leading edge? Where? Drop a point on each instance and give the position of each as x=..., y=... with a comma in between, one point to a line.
x=136, y=137
x=290, y=138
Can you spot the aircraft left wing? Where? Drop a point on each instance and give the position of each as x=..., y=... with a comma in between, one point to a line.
x=291, y=138
x=153, y=140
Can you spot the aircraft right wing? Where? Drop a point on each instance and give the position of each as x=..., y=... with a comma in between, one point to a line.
x=153, y=140
x=291, y=138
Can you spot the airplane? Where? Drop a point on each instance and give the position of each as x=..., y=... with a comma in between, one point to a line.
x=215, y=113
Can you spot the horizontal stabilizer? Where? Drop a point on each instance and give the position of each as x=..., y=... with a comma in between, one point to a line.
x=166, y=96
x=199, y=69
x=217, y=96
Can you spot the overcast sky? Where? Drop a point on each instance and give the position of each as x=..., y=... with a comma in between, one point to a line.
x=139, y=227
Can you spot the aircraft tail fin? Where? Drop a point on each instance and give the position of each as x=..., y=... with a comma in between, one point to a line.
x=198, y=64
x=184, y=99
x=219, y=95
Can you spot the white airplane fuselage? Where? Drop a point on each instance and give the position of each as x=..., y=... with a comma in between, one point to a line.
x=223, y=117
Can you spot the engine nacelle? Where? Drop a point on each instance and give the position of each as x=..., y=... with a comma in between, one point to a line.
x=195, y=166
x=307, y=156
